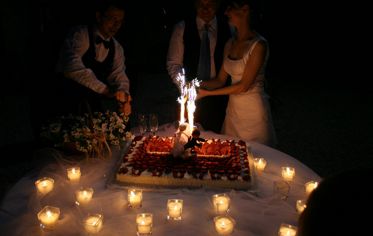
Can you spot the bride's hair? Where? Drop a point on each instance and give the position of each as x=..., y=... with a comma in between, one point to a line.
x=255, y=8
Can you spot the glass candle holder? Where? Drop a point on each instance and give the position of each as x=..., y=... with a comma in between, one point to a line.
x=174, y=209
x=83, y=196
x=281, y=189
x=310, y=186
x=221, y=203
x=287, y=230
x=93, y=223
x=224, y=225
x=144, y=223
x=288, y=173
x=73, y=174
x=134, y=198
x=260, y=163
x=300, y=206
x=44, y=185
x=48, y=217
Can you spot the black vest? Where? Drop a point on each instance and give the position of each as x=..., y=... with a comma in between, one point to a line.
x=78, y=99
x=192, y=44
x=101, y=69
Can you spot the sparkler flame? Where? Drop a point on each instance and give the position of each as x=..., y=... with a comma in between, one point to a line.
x=188, y=94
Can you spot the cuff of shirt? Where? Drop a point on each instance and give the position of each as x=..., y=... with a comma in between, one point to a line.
x=101, y=88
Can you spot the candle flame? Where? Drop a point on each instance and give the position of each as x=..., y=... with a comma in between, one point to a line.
x=95, y=223
x=49, y=213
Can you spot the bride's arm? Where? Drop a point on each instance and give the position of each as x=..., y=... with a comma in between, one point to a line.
x=217, y=82
x=251, y=70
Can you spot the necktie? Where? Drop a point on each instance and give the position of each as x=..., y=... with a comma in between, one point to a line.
x=204, y=64
x=101, y=40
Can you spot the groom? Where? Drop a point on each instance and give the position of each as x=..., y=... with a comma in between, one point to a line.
x=184, y=52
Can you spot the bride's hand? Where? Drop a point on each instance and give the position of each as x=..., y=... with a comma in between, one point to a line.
x=202, y=93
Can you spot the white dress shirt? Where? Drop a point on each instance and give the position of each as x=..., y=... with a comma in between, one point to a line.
x=175, y=53
x=70, y=61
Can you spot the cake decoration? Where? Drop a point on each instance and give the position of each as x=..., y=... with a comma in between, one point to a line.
x=215, y=163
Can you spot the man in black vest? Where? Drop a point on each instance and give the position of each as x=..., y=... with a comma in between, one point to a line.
x=186, y=51
x=92, y=64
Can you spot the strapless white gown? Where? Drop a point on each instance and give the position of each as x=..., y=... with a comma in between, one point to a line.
x=248, y=114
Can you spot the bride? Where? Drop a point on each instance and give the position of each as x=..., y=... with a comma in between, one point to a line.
x=245, y=57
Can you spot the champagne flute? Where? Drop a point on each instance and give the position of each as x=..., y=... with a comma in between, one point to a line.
x=153, y=123
x=142, y=124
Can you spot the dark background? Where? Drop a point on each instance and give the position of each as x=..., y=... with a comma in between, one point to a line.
x=317, y=76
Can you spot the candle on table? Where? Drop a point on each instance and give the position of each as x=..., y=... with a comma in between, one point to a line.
x=287, y=230
x=73, y=174
x=310, y=186
x=44, y=185
x=221, y=203
x=288, y=173
x=281, y=189
x=83, y=196
x=224, y=225
x=300, y=206
x=134, y=198
x=48, y=217
x=260, y=163
x=174, y=208
x=93, y=223
x=144, y=224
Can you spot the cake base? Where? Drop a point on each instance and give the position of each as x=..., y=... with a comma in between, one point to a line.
x=144, y=167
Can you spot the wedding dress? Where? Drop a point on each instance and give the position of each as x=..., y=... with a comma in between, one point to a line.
x=248, y=114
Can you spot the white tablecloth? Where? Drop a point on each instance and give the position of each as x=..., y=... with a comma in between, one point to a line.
x=259, y=211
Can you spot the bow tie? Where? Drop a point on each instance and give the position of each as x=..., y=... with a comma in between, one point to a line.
x=101, y=40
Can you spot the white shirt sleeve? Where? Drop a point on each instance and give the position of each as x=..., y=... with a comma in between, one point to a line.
x=71, y=64
x=175, y=52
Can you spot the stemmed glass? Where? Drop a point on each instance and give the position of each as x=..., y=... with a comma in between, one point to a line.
x=142, y=124
x=153, y=123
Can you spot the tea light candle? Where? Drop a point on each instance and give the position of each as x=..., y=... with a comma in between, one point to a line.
x=175, y=208
x=134, y=198
x=44, y=185
x=224, y=225
x=300, y=206
x=221, y=203
x=48, y=217
x=260, y=163
x=93, y=223
x=73, y=174
x=288, y=173
x=83, y=196
x=287, y=230
x=144, y=223
x=310, y=186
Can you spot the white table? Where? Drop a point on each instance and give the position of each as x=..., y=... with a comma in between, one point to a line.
x=258, y=211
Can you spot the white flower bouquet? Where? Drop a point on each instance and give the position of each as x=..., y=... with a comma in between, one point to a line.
x=90, y=134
